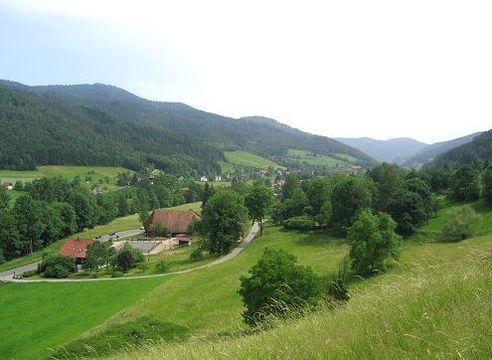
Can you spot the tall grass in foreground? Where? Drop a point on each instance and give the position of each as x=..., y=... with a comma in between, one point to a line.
x=433, y=310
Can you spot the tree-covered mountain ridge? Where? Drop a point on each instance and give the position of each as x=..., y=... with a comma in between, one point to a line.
x=476, y=152
x=104, y=125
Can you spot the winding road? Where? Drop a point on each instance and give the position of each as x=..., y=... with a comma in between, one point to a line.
x=8, y=276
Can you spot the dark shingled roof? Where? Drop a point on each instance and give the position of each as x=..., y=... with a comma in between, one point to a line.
x=175, y=221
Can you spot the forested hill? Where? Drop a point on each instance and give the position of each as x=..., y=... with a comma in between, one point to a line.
x=392, y=150
x=43, y=129
x=479, y=150
x=259, y=135
x=430, y=152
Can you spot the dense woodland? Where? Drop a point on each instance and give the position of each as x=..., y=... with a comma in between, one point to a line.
x=477, y=152
x=133, y=124
x=44, y=130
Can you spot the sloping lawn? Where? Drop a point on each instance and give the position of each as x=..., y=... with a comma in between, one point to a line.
x=37, y=317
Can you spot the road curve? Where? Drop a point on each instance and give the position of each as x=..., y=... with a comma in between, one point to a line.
x=236, y=251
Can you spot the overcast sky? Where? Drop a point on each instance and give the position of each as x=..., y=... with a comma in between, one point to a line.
x=382, y=69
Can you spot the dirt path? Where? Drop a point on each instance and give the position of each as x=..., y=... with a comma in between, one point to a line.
x=235, y=252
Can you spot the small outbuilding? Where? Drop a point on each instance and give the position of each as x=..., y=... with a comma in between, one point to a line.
x=8, y=186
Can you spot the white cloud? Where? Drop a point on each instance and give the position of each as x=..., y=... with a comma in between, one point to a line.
x=339, y=68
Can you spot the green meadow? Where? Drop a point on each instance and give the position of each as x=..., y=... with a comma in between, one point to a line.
x=306, y=157
x=244, y=159
x=433, y=303
x=99, y=175
x=38, y=317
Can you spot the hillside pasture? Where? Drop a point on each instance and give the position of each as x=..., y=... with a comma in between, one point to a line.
x=435, y=225
x=38, y=317
x=100, y=175
x=244, y=159
x=435, y=304
x=207, y=301
x=308, y=158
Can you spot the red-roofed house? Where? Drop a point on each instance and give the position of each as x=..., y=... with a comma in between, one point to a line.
x=76, y=249
x=175, y=221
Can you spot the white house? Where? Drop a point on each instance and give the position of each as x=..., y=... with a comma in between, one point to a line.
x=203, y=179
x=218, y=178
x=8, y=186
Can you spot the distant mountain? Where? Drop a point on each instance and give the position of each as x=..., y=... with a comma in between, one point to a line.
x=392, y=150
x=430, y=152
x=105, y=125
x=260, y=135
x=477, y=150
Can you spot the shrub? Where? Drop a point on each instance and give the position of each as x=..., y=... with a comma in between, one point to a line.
x=117, y=274
x=162, y=266
x=128, y=258
x=57, y=271
x=56, y=266
x=303, y=222
x=197, y=254
x=337, y=286
x=276, y=285
x=29, y=273
x=19, y=186
x=459, y=224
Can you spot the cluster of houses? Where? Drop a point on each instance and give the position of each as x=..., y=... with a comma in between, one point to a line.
x=176, y=222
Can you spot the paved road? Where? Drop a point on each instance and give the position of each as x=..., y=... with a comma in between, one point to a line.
x=9, y=274
x=235, y=252
x=121, y=235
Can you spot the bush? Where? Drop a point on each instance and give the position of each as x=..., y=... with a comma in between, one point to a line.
x=460, y=224
x=337, y=287
x=303, y=222
x=19, y=186
x=276, y=285
x=117, y=274
x=57, y=271
x=29, y=273
x=162, y=266
x=197, y=254
x=56, y=266
x=128, y=258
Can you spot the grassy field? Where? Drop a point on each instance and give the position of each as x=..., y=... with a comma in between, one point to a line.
x=207, y=301
x=437, y=304
x=346, y=157
x=248, y=160
x=306, y=157
x=434, y=303
x=37, y=317
x=101, y=176
x=196, y=207
x=485, y=210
